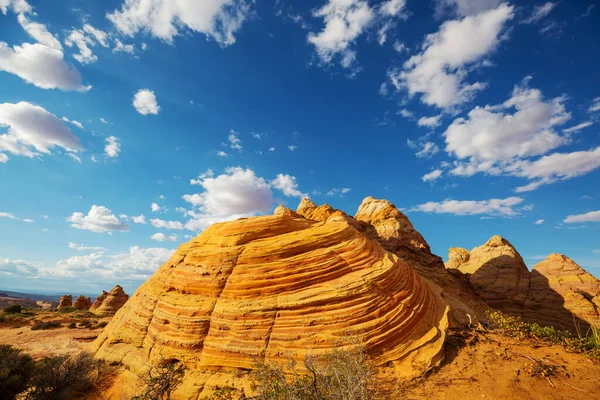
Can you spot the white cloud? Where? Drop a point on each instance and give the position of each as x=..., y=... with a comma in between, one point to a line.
x=3, y=158
x=430, y=122
x=578, y=127
x=222, y=154
x=288, y=185
x=541, y=11
x=405, y=113
x=82, y=247
x=333, y=192
x=39, y=32
x=41, y=66
x=234, y=141
x=425, y=148
x=28, y=220
x=85, y=38
x=492, y=207
x=539, y=222
x=439, y=72
x=125, y=48
x=140, y=219
x=98, y=219
x=104, y=121
x=400, y=47
x=465, y=7
x=170, y=225
x=16, y=6
x=112, y=147
x=217, y=19
x=33, y=131
x=208, y=174
x=145, y=102
x=161, y=237
x=256, y=135
x=432, y=176
x=292, y=148
x=73, y=122
x=235, y=194
x=592, y=216
x=7, y=215
x=156, y=208
x=595, y=107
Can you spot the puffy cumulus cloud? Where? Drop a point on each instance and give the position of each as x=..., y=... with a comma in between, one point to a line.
x=541, y=11
x=288, y=185
x=234, y=140
x=465, y=7
x=16, y=6
x=18, y=268
x=424, y=148
x=438, y=73
x=84, y=39
x=430, y=122
x=112, y=148
x=145, y=102
x=140, y=219
x=125, y=48
x=161, y=237
x=432, y=176
x=209, y=173
x=164, y=19
x=345, y=21
x=41, y=66
x=98, y=219
x=514, y=138
x=82, y=247
x=39, y=32
x=235, y=194
x=156, y=208
x=592, y=216
x=32, y=131
x=492, y=207
x=170, y=225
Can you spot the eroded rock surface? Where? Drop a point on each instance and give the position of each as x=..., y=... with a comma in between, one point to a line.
x=82, y=303
x=272, y=288
x=107, y=304
x=66, y=301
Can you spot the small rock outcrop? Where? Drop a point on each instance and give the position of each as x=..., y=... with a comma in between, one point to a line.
x=275, y=287
x=563, y=294
x=82, y=303
x=496, y=271
x=107, y=304
x=66, y=301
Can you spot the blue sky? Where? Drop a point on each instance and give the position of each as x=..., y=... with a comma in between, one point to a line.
x=125, y=130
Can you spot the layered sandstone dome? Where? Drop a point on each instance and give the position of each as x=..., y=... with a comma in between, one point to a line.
x=82, y=303
x=272, y=288
x=497, y=272
x=66, y=301
x=107, y=304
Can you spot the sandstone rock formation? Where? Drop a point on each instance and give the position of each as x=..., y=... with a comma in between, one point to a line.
x=496, y=271
x=82, y=303
x=563, y=294
x=66, y=301
x=275, y=287
x=107, y=304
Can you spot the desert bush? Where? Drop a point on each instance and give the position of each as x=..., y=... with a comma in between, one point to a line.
x=100, y=324
x=42, y=325
x=85, y=323
x=72, y=325
x=66, y=377
x=16, y=369
x=14, y=309
x=588, y=343
x=223, y=393
x=161, y=380
x=343, y=374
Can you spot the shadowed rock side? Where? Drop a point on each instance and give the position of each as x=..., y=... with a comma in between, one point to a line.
x=82, y=303
x=66, y=301
x=563, y=294
x=497, y=272
x=107, y=304
x=276, y=287
x=381, y=221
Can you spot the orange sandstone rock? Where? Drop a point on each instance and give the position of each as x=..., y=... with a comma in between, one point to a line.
x=66, y=301
x=272, y=288
x=82, y=303
x=107, y=304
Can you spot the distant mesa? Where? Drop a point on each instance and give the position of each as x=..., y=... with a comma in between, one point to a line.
x=82, y=303
x=556, y=292
x=107, y=304
x=65, y=302
x=275, y=287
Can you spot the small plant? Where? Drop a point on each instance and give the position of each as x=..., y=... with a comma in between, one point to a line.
x=223, y=393
x=85, y=323
x=14, y=309
x=42, y=325
x=16, y=369
x=72, y=325
x=100, y=325
x=161, y=380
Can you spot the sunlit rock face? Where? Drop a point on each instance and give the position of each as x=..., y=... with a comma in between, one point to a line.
x=107, y=304
x=82, y=303
x=272, y=288
x=65, y=302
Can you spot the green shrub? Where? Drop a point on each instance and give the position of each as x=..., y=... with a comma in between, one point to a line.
x=42, y=325
x=14, y=309
x=64, y=377
x=16, y=369
x=72, y=325
x=85, y=323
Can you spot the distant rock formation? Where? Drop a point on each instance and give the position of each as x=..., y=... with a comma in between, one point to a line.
x=556, y=292
x=107, y=304
x=66, y=301
x=274, y=287
x=82, y=303
x=496, y=271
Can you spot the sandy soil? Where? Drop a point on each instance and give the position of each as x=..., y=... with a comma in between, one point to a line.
x=491, y=366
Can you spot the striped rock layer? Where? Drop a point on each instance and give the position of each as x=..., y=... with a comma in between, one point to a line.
x=107, y=304
x=275, y=288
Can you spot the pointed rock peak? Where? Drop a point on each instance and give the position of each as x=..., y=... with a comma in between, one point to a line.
x=457, y=256
x=559, y=264
x=559, y=258
x=282, y=211
x=117, y=290
x=498, y=241
x=305, y=204
x=372, y=209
